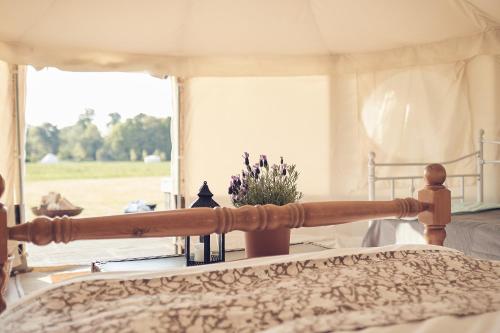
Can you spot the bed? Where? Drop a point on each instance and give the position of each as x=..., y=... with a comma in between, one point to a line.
x=476, y=225
x=475, y=233
x=420, y=288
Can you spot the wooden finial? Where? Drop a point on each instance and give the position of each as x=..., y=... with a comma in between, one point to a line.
x=434, y=175
x=438, y=199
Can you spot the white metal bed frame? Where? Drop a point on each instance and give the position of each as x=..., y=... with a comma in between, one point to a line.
x=479, y=175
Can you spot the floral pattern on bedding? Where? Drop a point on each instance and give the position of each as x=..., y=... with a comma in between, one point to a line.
x=337, y=293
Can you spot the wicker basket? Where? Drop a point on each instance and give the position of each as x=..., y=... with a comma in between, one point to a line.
x=39, y=211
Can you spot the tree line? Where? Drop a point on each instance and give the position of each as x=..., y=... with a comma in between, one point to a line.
x=128, y=140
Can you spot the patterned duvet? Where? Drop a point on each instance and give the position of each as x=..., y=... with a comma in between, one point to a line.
x=336, y=293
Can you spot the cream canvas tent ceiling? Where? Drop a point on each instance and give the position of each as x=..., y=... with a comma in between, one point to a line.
x=245, y=37
x=408, y=79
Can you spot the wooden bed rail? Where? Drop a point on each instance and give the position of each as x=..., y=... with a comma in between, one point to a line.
x=203, y=221
x=433, y=208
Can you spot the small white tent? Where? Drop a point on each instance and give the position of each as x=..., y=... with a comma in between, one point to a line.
x=321, y=82
x=152, y=159
x=49, y=159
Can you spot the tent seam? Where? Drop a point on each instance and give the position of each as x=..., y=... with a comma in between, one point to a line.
x=318, y=30
x=482, y=19
x=41, y=17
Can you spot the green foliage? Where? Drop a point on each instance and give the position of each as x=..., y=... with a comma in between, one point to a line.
x=81, y=141
x=141, y=135
x=104, y=154
x=133, y=155
x=115, y=119
x=93, y=170
x=86, y=118
x=126, y=140
x=41, y=140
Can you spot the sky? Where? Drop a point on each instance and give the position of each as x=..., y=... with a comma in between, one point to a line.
x=58, y=97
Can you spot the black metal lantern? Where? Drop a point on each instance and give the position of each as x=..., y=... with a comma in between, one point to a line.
x=203, y=254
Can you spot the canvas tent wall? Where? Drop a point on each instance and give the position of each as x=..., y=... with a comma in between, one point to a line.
x=319, y=81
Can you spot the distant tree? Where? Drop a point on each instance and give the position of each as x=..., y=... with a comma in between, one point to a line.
x=133, y=155
x=104, y=154
x=82, y=140
x=79, y=153
x=132, y=139
x=143, y=134
x=115, y=119
x=87, y=117
x=91, y=141
x=41, y=140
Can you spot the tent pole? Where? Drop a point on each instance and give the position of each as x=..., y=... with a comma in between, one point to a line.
x=176, y=147
x=23, y=267
x=180, y=134
x=177, y=152
x=19, y=155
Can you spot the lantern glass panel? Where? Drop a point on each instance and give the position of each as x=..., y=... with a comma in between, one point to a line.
x=197, y=253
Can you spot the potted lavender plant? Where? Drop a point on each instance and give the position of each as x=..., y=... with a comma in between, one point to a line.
x=262, y=184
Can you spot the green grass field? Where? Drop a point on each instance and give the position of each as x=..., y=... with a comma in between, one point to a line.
x=95, y=170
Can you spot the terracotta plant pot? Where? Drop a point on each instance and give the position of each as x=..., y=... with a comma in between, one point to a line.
x=267, y=242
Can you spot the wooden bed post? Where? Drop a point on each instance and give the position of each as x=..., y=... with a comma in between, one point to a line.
x=3, y=245
x=438, y=197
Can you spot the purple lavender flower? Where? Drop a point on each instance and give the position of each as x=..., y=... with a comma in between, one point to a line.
x=263, y=161
x=281, y=159
x=246, y=156
x=256, y=169
x=283, y=169
x=234, y=185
